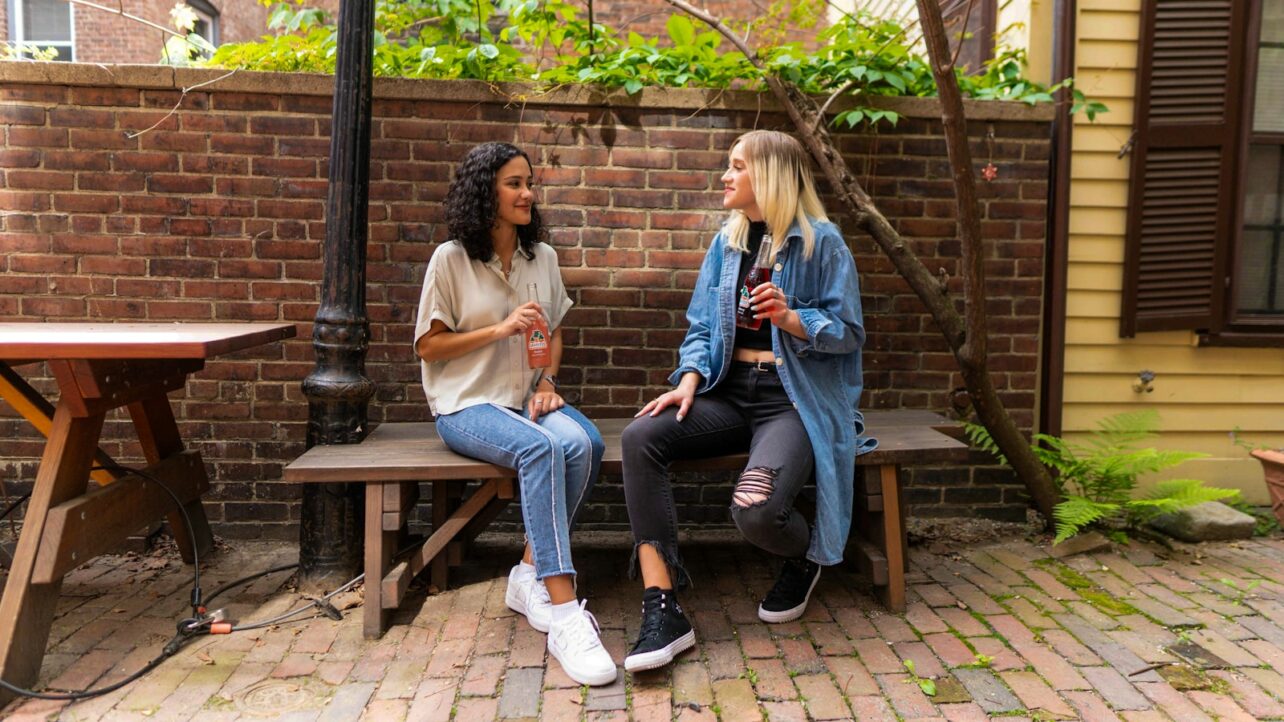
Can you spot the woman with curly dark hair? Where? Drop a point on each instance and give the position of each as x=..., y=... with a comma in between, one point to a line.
x=476, y=321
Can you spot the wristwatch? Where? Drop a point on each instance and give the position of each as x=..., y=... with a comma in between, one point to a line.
x=552, y=379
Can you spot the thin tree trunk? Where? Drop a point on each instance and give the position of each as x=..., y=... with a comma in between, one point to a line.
x=973, y=356
x=965, y=334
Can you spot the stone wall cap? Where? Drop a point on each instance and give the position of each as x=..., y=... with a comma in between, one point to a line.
x=651, y=98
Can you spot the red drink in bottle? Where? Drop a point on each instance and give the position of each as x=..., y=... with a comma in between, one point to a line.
x=759, y=274
x=538, y=352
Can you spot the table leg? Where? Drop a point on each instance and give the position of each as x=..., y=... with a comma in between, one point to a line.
x=33, y=407
x=378, y=553
x=27, y=610
x=158, y=434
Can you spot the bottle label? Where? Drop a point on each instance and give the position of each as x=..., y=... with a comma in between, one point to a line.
x=537, y=342
x=744, y=299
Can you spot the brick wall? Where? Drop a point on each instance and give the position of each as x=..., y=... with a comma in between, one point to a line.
x=217, y=214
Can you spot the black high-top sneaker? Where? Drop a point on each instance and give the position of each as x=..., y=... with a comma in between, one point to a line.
x=665, y=631
x=787, y=600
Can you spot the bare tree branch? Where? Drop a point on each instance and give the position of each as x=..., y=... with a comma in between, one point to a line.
x=183, y=95
x=829, y=101
x=973, y=355
x=967, y=16
x=121, y=12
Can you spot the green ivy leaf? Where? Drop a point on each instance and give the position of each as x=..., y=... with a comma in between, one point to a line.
x=680, y=30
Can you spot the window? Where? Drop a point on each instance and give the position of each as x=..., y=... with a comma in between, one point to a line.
x=207, y=20
x=43, y=24
x=1259, y=279
x=1206, y=206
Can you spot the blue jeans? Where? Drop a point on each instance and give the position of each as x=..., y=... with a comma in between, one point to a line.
x=556, y=459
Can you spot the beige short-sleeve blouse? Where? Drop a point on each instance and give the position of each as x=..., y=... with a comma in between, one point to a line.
x=467, y=295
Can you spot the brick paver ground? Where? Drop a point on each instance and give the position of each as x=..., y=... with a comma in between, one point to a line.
x=1143, y=633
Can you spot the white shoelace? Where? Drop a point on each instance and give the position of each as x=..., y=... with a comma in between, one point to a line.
x=580, y=634
x=539, y=594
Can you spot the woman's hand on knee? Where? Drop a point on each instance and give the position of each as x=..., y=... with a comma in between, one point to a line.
x=544, y=402
x=680, y=397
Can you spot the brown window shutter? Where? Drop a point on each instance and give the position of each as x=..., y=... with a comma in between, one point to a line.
x=1181, y=201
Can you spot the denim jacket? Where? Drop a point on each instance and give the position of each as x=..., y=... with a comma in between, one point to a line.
x=822, y=374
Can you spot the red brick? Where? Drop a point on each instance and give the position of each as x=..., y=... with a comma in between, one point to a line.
x=249, y=269
x=240, y=144
x=104, y=96
x=244, y=101
x=102, y=139
x=179, y=183
x=78, y=244
x=38, y=137
x=40, y=180
x=34, y=93
x=277, y=167
x=20, y=158
x=209, y=122
x=22, y=115
x=629, y=158
x=282, y=125
x=53, y=306
x=163, y=139
x=145, y=161
x=24, y=201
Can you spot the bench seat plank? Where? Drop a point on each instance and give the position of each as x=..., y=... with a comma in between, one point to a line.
x=414, y=452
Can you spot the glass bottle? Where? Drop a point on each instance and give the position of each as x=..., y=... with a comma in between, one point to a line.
x=539, y=353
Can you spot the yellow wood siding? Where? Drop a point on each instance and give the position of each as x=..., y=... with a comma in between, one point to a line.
x=1201, y=394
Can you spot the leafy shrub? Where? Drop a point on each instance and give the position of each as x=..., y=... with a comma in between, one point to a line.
x=546, y=41
x=1097, y=480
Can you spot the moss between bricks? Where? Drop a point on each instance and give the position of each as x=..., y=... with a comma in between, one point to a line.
x=1093, y=594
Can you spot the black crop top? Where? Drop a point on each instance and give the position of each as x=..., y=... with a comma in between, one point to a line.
x=759, y=340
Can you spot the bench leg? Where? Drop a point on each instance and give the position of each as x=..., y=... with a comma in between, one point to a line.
x=378, y=559
x=892, y=595
x=439, y=566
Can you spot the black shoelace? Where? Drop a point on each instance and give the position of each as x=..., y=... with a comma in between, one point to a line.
x=652, y=619
x=792, y=582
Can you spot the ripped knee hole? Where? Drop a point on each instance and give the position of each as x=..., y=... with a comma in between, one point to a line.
x=755, y=486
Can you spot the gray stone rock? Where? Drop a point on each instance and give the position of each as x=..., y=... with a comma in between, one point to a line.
x=1092, y=541
x=1209, y=521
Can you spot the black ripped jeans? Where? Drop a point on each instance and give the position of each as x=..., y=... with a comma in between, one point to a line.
x=748, y=410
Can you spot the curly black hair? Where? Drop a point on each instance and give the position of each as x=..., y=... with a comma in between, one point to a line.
x=470, y=202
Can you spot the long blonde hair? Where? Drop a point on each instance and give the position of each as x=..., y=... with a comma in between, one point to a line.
x=783, y=188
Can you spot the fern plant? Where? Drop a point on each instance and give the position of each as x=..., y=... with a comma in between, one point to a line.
x=1097, y=479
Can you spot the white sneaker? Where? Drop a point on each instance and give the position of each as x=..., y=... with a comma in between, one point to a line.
x=575, y=643
x=528, y=596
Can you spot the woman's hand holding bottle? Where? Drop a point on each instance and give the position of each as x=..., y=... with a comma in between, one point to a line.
x=520, y=320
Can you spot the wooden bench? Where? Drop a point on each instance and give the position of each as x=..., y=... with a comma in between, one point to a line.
x=396, y=457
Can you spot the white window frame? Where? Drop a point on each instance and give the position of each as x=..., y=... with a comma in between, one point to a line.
x=16, y=11
x=212, y=17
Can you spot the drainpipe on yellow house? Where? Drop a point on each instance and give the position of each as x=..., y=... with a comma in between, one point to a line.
x=1056, y=256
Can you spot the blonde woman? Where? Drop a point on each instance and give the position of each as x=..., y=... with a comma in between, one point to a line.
x=787, y=392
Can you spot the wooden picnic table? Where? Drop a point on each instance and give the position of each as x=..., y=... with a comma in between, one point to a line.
x=100, y=367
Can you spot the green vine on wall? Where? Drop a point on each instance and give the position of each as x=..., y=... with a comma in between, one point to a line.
x=547, y=42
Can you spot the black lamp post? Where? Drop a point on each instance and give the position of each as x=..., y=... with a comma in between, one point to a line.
x=337, y=389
